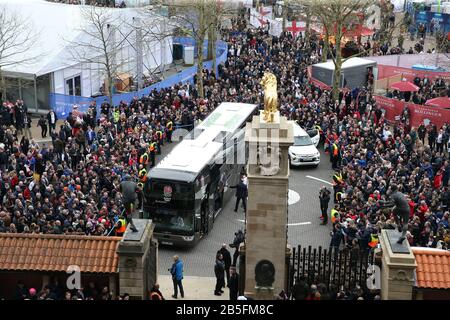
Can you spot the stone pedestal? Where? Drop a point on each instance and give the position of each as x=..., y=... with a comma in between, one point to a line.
x=137, y=254
x=264, y=293
x=398, y=266
x=266, y=228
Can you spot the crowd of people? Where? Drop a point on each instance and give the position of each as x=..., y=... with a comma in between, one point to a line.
x=72, y=185
x=428, y=89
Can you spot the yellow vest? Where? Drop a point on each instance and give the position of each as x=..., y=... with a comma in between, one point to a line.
x=334, y=215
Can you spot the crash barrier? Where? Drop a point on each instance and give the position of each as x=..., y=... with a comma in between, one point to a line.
x=63, y=104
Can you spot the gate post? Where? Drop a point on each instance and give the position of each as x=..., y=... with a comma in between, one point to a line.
x=398, y=267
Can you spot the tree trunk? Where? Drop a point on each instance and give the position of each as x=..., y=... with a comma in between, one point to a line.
x=111, y=86
x=337, y=67
x=211, y=40
x=214, y=51
x=200, y=68
x=285, y=13
x=3, y=86
x=307, y=31
x=326, y=45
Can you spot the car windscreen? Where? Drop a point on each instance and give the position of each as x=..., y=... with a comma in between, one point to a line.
x=302, y=141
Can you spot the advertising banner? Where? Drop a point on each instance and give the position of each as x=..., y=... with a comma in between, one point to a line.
x=418, y=113
x=385, y=71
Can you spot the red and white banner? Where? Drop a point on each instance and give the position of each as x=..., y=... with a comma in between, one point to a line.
x=295, y=27
x=260, y=18
x=418, y=113
x=385, y=71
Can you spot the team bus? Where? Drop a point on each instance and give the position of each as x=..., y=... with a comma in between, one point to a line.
x=188, y=188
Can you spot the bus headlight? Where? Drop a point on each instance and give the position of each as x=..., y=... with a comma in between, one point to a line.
x=188, y=238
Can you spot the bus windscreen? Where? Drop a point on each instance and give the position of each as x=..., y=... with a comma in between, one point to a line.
x=171, y=205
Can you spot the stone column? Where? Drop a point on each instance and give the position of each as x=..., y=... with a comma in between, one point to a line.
x=266, y=225
x=133, y=251
x=397, y=269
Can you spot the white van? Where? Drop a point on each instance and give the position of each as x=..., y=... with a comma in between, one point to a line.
x=304, y=152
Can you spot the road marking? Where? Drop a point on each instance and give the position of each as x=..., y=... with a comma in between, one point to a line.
x=321, y=180
x=289, y=224
x=293, y=197
x=299, y=223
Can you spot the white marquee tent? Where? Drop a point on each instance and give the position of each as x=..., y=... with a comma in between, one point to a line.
x=58, y=26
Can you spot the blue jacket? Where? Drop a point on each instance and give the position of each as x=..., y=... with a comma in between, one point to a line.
x=177, y=270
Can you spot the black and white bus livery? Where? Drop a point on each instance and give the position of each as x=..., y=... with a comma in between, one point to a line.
x=187, y=189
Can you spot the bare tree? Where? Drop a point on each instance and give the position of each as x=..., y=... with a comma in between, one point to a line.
x=336, y=16
x=194, y=18
x=96, y=43
x=17, y=38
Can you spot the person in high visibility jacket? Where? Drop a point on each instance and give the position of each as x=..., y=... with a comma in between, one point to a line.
x=373, y=240
x=337, y=178
x=142, y=174
x=143, y=159
x=334, y=155
x=335, y=215
x=339, y=196
x=338, y=183
x=152, y=150
x=160, y=138
x=169, y=129
x=121, y=227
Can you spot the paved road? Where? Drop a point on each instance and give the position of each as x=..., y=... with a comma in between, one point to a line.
x=199, y=261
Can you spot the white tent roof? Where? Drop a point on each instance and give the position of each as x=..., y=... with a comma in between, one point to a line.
x=56, y=25
x=350, y=63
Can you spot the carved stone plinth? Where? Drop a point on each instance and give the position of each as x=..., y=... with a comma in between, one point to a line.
x=398, y=266
x=266, y=229
x=137, y=253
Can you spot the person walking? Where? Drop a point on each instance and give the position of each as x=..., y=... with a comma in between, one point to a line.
x=219, y=270
x=177, y=276
x=241, y=194
x=324, y=196
x=43, y=124
x=233, y=284
x=227, y=261
x=52, y=118
x=27, y=125
x=239, y=237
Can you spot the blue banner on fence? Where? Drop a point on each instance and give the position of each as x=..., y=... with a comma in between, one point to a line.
x=63, y=104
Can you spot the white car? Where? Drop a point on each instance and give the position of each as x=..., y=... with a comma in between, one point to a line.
x=304, y=152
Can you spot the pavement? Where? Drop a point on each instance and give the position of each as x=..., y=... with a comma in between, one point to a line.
x=195, y=288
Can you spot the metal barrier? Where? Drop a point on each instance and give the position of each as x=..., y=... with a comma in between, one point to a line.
x=63, y=104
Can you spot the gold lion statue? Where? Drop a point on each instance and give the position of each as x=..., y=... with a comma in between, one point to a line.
x=269, y=83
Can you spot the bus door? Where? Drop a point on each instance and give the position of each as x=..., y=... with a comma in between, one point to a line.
x=204, y=216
